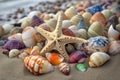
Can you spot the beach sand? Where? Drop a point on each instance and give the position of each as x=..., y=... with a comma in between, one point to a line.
x=13, y=69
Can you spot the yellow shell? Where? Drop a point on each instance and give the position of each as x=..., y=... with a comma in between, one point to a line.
x=1, y=31
x=35, y=51
x=52, y=23
x=95, y=29
x=82, y=33
x=70, y=12
x=75, y=19
x=107, y=14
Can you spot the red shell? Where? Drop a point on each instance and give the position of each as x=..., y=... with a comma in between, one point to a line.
x=68, y=32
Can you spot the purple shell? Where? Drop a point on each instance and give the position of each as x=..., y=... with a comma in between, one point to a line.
x=77, y=56
x=13, y=44
x=36, y=21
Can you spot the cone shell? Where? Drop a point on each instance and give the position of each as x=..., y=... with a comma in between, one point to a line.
x=34, y=13
x=70, y=12
x=95, y=29
x=98, y=17
x=35, y=51
x=54, y=58
x=64, y=68
x=113, y=34
x=37, y=64
x=28, y=36
x=7, y=27
x=16, y=30
x=98, y=58
x=82, y=33
x=14, y=53
x=75, y=19
x=66, y=23
x=1, y=31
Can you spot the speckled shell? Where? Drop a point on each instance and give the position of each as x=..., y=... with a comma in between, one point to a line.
x=14, y=53
x=77, y=57
x=36, y=21
x=16, y=30
x=96, y=29
x=99, y=43
x=34, y=13
x=37, y=64
x=14, y=44
x=66, y=23
x=75, y=19
x=35, y=51
x=28, y=36
x=98, y=58
x=82, y=33
x=61, y=12
x=1, y=31
x=52, y=23
x=64, y=68
x=54, y=58
x=98, y=17
x=7, y=27
x=68, y=32
x=17, y=36
x=113, y=34
x=70, y=12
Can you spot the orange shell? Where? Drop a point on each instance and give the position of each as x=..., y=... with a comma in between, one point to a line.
x=28, y=50
x=98, y=17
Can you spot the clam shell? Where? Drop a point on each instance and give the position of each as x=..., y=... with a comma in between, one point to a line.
x=70, y=12
x=98, y=17
x=7, y=27
x=34, y=13
x=28, y=36
x=1, y=31
x=66, y=23
x=82, y=33
x=64, y=68
x=98, y=58
x=35, y=51
x=16, y=30
x=75, y=19
x=113, y=34
x=37, y=64
x=14, y=53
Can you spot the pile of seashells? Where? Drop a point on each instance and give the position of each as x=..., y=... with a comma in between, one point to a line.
x=97, y=24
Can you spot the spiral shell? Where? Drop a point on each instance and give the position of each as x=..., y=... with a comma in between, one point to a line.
x=75, y=19
x=64, y=68
x=13, y=53
x=37, y=64
x=98, y=58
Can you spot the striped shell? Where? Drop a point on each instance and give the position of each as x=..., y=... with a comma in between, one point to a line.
x=64, y=68
x=82, y=33
x=37, y=64
x=75, y=19
x=98, y=58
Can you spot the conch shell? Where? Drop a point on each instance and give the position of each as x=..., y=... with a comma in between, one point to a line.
x=98, y=58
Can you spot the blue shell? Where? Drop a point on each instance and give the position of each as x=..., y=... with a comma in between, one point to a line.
x=81, y=24
x=95, y=8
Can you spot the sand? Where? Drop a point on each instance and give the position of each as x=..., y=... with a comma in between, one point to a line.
x=13, y=69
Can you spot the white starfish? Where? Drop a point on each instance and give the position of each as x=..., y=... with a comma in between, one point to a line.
x=57, y=40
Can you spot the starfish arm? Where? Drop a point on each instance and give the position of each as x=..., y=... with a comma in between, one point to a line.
x=69, y=39
x=44, y=33
x=49, y=46
x=61, y=48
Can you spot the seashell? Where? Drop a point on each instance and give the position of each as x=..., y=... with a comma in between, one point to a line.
x=93, y=9
x=74, y=29
x=99, y=43
x=37, y=64
x=68, y=32
x=28, y=36
x=16, y=30
x=116, y=10
x=62, y=13
x=81, y=67
x=113, y=34
x=36, y=21
x=82, y=33
x=98, y=58
x=34, y=13
x=107, y=14
x=14, y=53
x=118, y=28
x=5, y=51
x=96, y=29
x=81, y=24
x=26, y=21
x=39, y=38
x=119, y=20
x=28, y=50
x=45, y=17
x=13, y=44
x=23, y=55
x=106, y=4
x=17, y=36
x=77, y=57
x=45, y=27
x=1, y=31
x=69, y=48
x=114, y=47
x=7, y=27
x=75, y=19
x=2, y=42
x=64, y=68
x=40, y=45
x=98, y=17
x=66, y=23
x=54, y=58
x=70, y=12
x=87, y=4
x=52, y=23
x=35, y=51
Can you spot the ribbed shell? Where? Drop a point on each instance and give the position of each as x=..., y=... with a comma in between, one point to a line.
x=75, y=19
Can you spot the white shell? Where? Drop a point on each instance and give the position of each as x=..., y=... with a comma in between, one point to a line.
x=33, y=13
x=98, y=58
x=82, y=33
x=113, y=34
x=23, y=55
x=13, y=53
x=74, y=29
x=66, y=23
x=7, y=27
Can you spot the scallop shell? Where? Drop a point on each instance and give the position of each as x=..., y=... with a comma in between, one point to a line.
x=52, y=23
x=34, y=13
x=16, y=30
x=70, y=12
x=113, y=34
x=66, y=23
x=98, y=17
x=37, y=64
x=64, y=68
x=1, y=31
x=54, y=58
x=75, y=19
x=35, y=51
x=28, y=36
x=98, y=58
x=96, y=29
x=7, y=27
x=82, y=33
x=14, y=53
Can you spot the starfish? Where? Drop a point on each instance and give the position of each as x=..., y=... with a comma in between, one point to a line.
x=57, y=40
